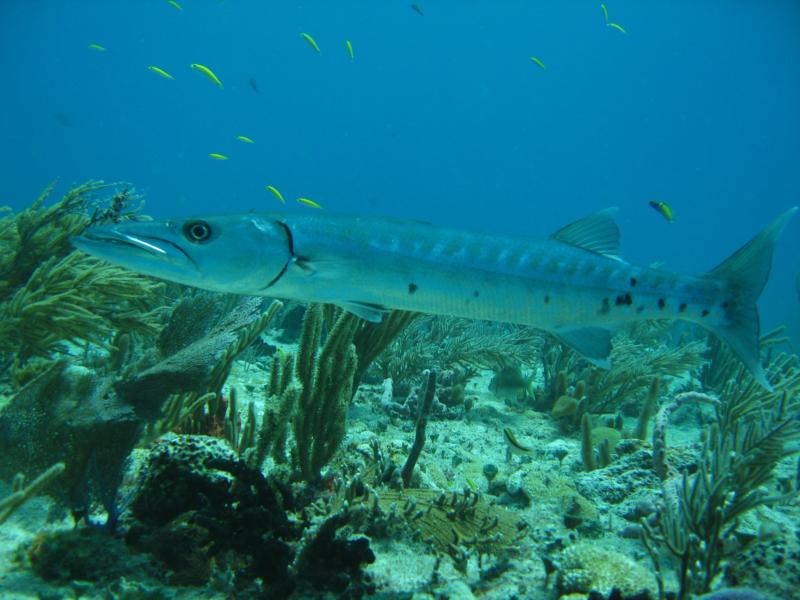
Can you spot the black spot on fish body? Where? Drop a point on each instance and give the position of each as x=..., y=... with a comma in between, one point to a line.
x=475, y=294
x=633, y=281
x=412, y=287
x=662, y=303
x=705, y=313
x=547, y=299
x=682, y=307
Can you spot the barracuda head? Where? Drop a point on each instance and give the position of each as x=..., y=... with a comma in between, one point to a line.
x=239, y=254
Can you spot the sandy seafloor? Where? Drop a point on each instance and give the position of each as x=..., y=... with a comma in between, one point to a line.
x=539, y=487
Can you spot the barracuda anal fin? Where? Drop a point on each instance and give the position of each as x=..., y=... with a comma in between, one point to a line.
x=373, y=313
x=592, y=343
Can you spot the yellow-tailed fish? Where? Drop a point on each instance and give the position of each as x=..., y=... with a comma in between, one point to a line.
x=217, y=156
x=97, y=47
x=276, y=193
x=617, y=27
x=605, y=12
x=245, y=139
x=308, y=202
x=159, y=71
x=174, y=4
x=349, y=49
x=662, y=208
x=207, y=72
x=538, y=62
x=310, y=41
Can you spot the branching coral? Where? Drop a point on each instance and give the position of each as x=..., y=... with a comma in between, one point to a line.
x=725, y=369
x=326, y=379
x=75, y=298
x=635, y=362
x=445, y=342
x=50, y=294
x=750, y=435
x=21, y=493
x=309, y=393
x=38, y=233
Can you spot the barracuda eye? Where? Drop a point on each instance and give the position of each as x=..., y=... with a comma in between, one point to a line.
x=197, y=231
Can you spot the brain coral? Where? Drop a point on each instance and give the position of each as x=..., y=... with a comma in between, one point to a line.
x=586, y=567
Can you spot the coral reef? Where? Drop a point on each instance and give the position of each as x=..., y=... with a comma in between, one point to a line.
x=446, y=342
x=455, y=523
x=66, y=414
x=198, y=495
x=636, y=360
x=586, y=567
x=271, y=446
x=20, y=492
x=419, y=435
x=752, y=432
x=51, y=294
x=204, y=362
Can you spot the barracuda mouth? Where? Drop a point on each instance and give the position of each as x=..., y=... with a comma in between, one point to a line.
x=125, y=248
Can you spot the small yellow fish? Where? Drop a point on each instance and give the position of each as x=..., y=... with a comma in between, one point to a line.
x=349, y=49
x=605, y=12
x=174, y=4
x=245, y=139
x=662, y=208
x=617, y=27
x=207, y=72
x=310, y=41
x=217, y=156
x=538, y=62
x=276, y=193
x=308, y=202
x=161, y=72
x=97, y=47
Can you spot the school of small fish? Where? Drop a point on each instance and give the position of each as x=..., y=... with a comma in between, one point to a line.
x=661, y=207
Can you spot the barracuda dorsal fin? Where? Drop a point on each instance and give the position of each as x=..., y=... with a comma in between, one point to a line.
x=592, y=343
x=597, y=233
x=369, y=312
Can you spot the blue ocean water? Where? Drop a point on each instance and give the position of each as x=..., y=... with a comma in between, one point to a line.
x=441, y=117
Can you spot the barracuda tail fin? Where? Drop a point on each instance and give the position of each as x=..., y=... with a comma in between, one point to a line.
x=745, y=274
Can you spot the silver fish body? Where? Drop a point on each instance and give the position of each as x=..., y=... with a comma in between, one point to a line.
x=571, y=284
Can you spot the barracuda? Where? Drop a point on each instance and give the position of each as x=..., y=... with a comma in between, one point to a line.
x=570, y=284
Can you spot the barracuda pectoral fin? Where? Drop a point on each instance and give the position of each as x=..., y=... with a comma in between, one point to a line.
x=373, y=313
x=593, y=343
x=598, y=233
